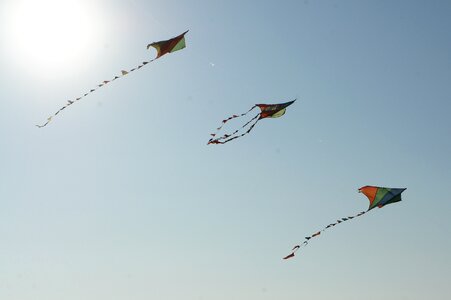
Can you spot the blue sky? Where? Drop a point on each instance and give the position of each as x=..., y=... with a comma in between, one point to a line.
x=121, y=198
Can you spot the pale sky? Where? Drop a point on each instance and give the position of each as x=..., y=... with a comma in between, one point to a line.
x=121, y=198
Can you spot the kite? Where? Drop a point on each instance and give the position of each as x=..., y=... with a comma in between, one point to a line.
x=162, y=47
x=378, y=196
x=266, y=111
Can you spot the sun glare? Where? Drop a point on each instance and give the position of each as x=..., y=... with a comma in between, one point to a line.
x=50, y=35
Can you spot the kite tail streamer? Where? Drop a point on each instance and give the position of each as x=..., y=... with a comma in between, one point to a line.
x=105, y=82
x=230, y=137
x=228, y=119
x=307, y=238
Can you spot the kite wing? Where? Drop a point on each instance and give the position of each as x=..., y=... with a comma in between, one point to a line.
x=381, y=196
x=378, y=196
x=273, y=110
x=162, y=47
x=266, y=111
x=169, y=46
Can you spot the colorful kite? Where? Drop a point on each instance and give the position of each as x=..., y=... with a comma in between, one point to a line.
x=266, y=111
x=378, y=196
x=162, y=47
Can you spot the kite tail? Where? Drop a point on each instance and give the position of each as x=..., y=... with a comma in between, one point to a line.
x=307, y=238
x=228, y=119
x=105, y=82
x=230, y=137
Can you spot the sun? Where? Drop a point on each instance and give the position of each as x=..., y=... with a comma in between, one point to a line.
x=49, y=35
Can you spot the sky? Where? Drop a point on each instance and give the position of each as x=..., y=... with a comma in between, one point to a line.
x=119, y=197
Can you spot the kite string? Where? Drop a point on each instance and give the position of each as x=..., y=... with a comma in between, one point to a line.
x=307, y=238
x=105, y=82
